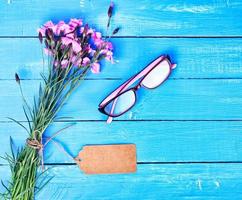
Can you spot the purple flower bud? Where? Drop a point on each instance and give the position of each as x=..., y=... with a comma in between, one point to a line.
x=17, y=78
x=116, y=30
x=40, y=37
x=85, y=29
x=56, y=38
x=110, y=9
x=62, y=34
x=49, y=33
x=47, y=44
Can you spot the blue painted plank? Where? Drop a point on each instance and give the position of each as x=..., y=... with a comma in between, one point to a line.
x=159, y=18
x=155, y=141
x=196, y=58
x=174, y=100
x=194, y=181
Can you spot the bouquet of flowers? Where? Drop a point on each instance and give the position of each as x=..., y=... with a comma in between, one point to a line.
x=73, y=49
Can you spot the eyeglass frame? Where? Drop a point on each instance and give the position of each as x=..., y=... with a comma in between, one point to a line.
x=123, y=89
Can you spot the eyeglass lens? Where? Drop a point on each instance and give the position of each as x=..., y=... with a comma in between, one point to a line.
x=121, y=103
x=157, y=75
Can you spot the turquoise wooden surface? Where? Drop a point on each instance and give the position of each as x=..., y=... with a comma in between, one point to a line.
x=198, y=141
x=182, y=99
x=142, y=18
x=197, y=57
x=152, y=181
x=187, y=132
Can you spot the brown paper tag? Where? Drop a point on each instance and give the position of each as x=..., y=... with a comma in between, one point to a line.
x=107, y=159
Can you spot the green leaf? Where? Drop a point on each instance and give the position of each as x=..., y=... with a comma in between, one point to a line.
x=8, y=191
x=12, y=148
x=44, y=78
x=18, y=123
x=27, y=117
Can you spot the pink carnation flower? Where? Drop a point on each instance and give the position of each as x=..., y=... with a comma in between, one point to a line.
x=97, y=39
x=75, y=45
x=48, y=52
x=85, y=61
x=75, y=23
x=85, y=49
x=77, y=61
x=47, y=25
x=109, y=56
x=64, y=63
x=95, y=68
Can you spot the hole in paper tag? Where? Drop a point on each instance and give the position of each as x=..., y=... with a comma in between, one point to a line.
x=107, y=159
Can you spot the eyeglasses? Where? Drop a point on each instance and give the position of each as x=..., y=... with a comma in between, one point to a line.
x=123, y=98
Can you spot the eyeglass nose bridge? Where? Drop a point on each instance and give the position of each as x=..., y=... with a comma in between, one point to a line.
x=137, y=87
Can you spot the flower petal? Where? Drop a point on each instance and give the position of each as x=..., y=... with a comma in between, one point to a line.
x=75, y=23
x=95, y=68
x=66, y=41
x=85, y=61
x=76, y=46
x=64, y=63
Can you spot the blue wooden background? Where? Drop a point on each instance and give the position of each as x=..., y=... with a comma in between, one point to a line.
x=188, y=132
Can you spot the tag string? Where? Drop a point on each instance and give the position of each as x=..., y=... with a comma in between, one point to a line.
x=39, y=146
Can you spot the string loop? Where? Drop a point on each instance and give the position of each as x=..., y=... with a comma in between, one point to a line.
x=39, y=146
x=34, y=143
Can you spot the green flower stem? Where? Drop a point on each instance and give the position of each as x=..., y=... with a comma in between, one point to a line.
x=24, y=175
x=57, y=89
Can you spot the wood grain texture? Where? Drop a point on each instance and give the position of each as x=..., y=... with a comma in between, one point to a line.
x=196, y=58
x=151, y=182
x=174, y=100
x=193, y=119
x=142, y=18
x=155, y=141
